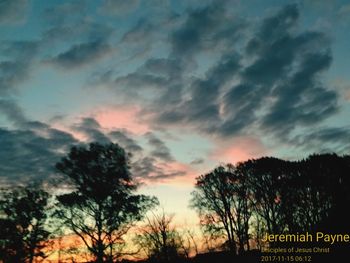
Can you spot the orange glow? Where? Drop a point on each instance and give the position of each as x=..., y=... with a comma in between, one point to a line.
x=66, y=248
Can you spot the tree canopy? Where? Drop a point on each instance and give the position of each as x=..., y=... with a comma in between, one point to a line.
x=102, y=207
x=23, y=217
x=270, y=195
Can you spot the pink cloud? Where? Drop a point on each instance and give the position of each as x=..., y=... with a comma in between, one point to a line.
x=121, y=117
x=112, y=117
x=238, y=149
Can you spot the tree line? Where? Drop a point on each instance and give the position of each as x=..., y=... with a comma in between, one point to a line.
x=237, y=205
x=274, y=196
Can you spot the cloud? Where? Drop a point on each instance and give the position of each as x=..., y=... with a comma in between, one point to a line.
x=151, y=163
x=79, y=29
x=121, y=117
x=168, y=68
x=144, y=31
x=13, y=11
x=224, y=81
x=149, y=170
x=15, y=115
x=12, y=112
x=165, y=75
x=238, y=149
x=283, y=81
x=156, y=81
x=197, y=161
x=144, y=167
x=123, y=139
x=20, y=49
x=31, y=149
x=65, y=13
x=324, y=139
x=16, y=64
x=92, y=130
x=81, y=54
x=133, y=80
x=205, y=69
x=272, y=84
x=159, y=149
x=205, y=29
x=202, y=110
x=118, y=7
x=11, y=73
x=208, y=29
x=88, y=39
x=70, y=24
x=30, y=154
x=344, y=10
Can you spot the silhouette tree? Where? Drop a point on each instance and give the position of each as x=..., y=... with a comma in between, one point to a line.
x=243, y=205
x=266, y=177
x=274, y=196
x=221, y=199
x=102, y=207
x=160, y=240
x=299, y=196
x=23, y=215
x=324, y=193
x=189, y=242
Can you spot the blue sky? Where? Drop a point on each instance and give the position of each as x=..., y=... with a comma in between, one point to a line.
x=183, y=85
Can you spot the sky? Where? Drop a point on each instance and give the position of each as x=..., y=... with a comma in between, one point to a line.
x=183, y=86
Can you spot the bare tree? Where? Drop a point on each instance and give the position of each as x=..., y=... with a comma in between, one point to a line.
x=189, y=242
x=160, y=240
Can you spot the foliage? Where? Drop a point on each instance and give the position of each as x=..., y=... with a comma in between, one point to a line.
x=270, y=195
x=23, y=213
x=103, y=206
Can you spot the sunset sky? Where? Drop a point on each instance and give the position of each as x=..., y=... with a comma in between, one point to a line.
x=182, y=85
